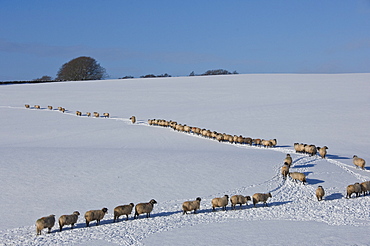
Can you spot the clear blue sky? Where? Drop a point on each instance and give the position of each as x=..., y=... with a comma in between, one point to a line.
x=177, y=37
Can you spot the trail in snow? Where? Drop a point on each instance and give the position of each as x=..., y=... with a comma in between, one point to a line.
x=290, y=201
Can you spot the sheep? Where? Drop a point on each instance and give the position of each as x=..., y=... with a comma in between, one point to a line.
x=288, y=160
x=45, y=222
x=50, y=107
x=239, y=199
x=299, y=147
x=322, y=151
x=88, y=114
x=220, y=202
x=106, y=115
x=68, y=220
x=191, y=205
x=142, y=208
x=27, y=105
x=63, y=110
x=355, y=188
x=260, y=197
x=37, y=107
x=60, y=108
x=257, y=141
x=78, y=113
x=310, y=149
x=133, y=119
x=285, y=170
x=273, y=142
x=365, y=187
x=359, y=162
x=96, y=114
x=266, y=143
x=122, y=210
x=298, y=176
x=320, y=193
x=95, y=215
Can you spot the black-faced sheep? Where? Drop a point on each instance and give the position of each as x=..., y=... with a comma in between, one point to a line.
x=355, y=188
x=122, y=210
x=191, y=205
x=95, y=215
x=37, y=107
x=299, y=147
x=220, y=202
x=27, y=105
x=88, y=114
x=322, y=151
x=260, y=197
x=78, y=113
x=68, y=220
x=288, y=160
x=45, y=222
x=106, y=115
x=359, y=162
x=144, y=208
x=320, y=193
x=133, y=119
x=96, y=114
x=365, y=187
x=239, y=199
x=298, y=176
x=50, y=107
x=285, y=170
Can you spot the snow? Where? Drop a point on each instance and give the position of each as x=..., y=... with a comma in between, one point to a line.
x=55, y=163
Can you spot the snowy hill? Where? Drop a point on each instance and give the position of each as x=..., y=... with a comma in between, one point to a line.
x=56, y=163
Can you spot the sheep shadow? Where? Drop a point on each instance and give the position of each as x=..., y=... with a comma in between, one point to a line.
x=162, y=214
x=302, y=166
x=272, y=204
x=283, y=146
x=334, y=196
x=314, y=181
x=337, y=157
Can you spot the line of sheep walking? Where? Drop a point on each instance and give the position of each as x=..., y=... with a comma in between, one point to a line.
x=221, y=137
x=357, y=188
x=145, y=208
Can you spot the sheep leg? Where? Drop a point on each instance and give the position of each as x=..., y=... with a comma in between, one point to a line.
x=87, y=223
x=72, y=225
x=126, y=216
x=49, y=229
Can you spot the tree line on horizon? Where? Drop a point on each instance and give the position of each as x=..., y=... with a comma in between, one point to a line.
x=87, y=68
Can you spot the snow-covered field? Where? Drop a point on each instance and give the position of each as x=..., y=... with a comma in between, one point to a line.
x=55, y=163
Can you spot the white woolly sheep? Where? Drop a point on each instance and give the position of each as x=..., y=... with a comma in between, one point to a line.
x=239, y=199
x=322, y=151
x=95, y=215
x=220, y=202
x=273, y=142
x=298, y=176
x=260, y=197
x=288, y=160
x=96, y=114
x=68, y=220
x=355, y=188
x=133, y=119
x=320, y=193
x=310, y=149
x=106, y=115
x=359, y=162
x=143, y=208
x=37, y=107
x=27, y=105
x=191, y=205
x=285, y=170
x=299, y=147
x=78, y=113
x=45, y=222
x=122, y=210
x=50, y=107
x=60, y=108
x=266, y=143
x=365, y=187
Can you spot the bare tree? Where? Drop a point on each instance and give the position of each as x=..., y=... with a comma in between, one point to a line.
x=81, y=68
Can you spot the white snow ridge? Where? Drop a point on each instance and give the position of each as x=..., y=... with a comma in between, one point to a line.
x=56, y=163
